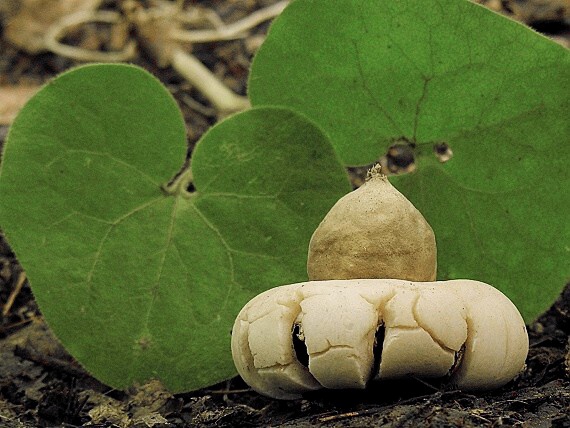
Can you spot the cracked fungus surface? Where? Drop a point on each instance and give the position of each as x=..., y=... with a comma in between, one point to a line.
x=323, y=334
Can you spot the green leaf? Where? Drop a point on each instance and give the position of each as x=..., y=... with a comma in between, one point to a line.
x=372, y=73
x=138, y=282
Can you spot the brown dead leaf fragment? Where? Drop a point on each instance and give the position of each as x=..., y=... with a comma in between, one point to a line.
x=143, y=408
x=27, y=28
x=12, y=99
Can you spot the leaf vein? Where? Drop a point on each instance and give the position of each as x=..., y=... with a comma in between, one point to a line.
x=228, y=249
x=107, y=155
x=97, y=256
x=369, y=91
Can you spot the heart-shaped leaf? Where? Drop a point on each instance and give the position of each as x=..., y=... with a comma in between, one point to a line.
x=137, y=278
x=443, y=71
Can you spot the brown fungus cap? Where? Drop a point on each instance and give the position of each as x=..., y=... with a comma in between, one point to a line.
x=373, y=232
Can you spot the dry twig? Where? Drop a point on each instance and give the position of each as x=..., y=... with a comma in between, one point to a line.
x=12, y=297
x=236, y=30
x=58, y=31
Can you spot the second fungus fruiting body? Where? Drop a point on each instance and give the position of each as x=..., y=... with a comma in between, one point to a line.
x=324, y=334
x=373, y=232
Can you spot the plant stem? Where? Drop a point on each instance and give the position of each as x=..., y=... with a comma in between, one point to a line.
x=232, y=31
x=222, y=98
x=179, y=185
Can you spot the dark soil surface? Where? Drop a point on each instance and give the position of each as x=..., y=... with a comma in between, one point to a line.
x=41, y=385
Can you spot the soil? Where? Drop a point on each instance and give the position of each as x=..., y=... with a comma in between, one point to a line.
x=41, y=385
